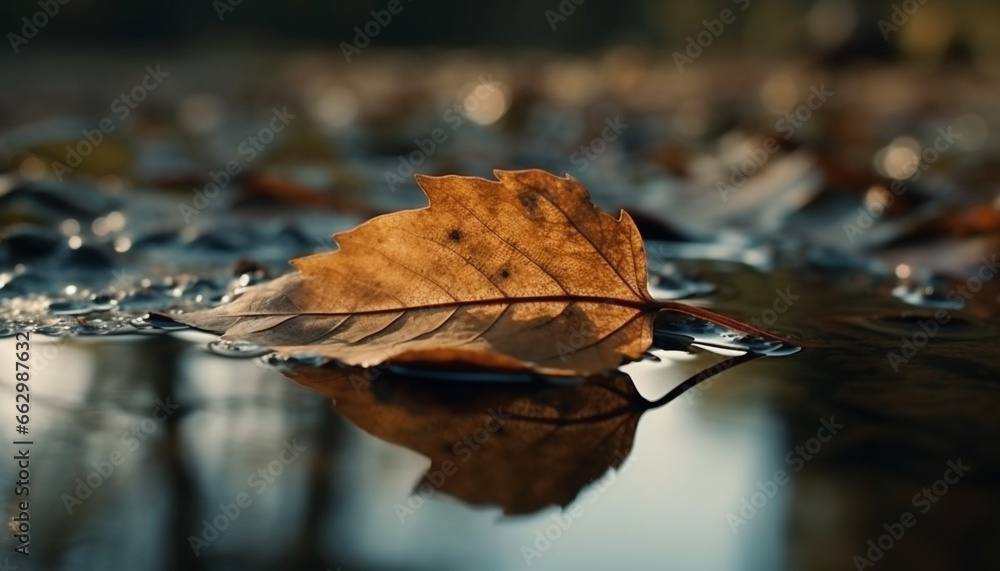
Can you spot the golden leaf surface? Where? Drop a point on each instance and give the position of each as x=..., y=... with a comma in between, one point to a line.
x=521, y=273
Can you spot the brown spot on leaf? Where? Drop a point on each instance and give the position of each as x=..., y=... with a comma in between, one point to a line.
x=455, y=235
x=529, y=200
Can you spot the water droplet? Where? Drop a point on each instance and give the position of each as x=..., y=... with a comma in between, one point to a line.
x=102, y=302
x=157, y=321
x=140, y=322
x=70, y=307
x=290, y=361
x=69, y=227
x=931, y=293
x=116, y=221
x=122, y=244
x=251, y=278
x=55, y=330
x=236, y=349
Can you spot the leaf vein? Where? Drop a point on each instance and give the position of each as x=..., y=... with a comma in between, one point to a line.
x=512, y=246
x=545, y=195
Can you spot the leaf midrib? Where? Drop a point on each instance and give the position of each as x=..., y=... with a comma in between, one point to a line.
x=637, y=304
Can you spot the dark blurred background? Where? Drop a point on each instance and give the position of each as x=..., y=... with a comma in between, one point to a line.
x=958, y=29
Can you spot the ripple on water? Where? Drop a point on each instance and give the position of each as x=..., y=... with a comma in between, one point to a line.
x=940, y=324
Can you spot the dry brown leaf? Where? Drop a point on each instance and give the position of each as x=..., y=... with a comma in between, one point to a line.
x=525, y=273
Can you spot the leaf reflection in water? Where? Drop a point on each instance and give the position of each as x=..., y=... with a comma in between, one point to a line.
x=521, y=446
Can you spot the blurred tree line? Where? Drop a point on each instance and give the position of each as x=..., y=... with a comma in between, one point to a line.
x=834, y=28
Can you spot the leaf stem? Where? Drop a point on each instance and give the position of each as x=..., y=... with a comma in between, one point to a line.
x=701, y=377
x=718, y=319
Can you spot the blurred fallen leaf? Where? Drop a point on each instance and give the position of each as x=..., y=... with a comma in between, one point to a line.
x=273, y=189
x=521, y=274
x=63, y=158
x=976, y=220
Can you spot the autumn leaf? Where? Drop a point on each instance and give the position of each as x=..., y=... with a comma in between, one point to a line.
x=523, y=273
